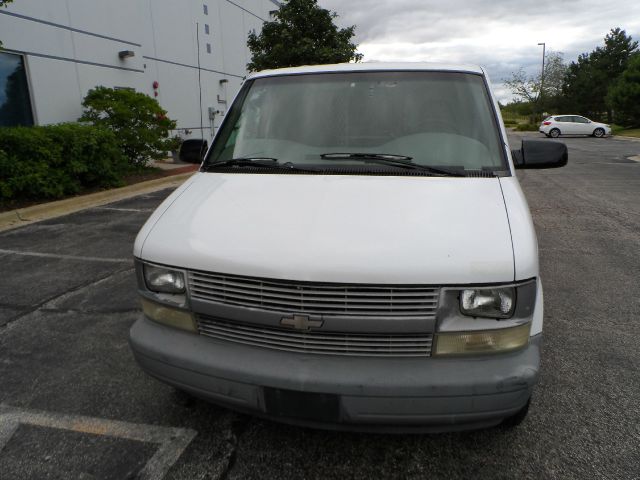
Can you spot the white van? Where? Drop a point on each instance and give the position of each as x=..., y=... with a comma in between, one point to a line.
x=355, y=252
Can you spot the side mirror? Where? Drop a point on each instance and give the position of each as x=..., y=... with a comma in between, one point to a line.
x=540, y=154
x=193, y=150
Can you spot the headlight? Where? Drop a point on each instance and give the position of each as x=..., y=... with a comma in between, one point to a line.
x=488, y=302
x=166, y=315
x=482, y=341
x=163, y=280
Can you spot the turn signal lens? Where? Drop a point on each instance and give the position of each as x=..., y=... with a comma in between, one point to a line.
x=482, y=341
x=171, y=317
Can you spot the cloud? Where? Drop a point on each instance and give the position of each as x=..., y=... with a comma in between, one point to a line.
x=501, y=35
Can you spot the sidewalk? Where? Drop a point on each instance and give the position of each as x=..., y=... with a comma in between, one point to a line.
x=177, y=173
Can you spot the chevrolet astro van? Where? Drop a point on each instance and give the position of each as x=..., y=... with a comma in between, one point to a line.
x=355, y=252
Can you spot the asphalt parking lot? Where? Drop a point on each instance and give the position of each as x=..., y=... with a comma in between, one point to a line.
x=73, y=403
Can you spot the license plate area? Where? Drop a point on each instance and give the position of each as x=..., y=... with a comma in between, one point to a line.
x=319, y=407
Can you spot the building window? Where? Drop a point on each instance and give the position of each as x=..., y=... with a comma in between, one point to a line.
x=208, y=48
x=206, y=9
x=206, y=28
x=15, y=102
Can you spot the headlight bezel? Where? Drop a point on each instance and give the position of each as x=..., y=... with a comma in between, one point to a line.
x=170, y=309
x=451, y=318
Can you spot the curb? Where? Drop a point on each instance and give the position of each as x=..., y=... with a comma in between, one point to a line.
x=44, y=211
x=622, y=137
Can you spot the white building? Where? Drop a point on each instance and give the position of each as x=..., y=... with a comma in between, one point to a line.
x=190, y=54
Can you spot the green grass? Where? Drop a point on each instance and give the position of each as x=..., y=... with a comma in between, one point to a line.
x=509, y=117
x=627, y=132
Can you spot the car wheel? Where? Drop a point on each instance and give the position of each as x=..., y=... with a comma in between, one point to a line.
x=598, y=132
x=517, y=418
x=554, y=133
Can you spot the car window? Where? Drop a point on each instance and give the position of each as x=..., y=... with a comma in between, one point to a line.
x=561, y=119
x=437, y=118
x=578, y=119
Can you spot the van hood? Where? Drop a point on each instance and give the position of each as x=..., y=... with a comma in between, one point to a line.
x=347, y=229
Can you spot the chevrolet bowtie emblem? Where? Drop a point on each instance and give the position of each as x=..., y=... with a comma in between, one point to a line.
x=301, y=322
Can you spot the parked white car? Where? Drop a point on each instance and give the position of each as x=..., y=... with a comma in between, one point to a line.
x=355, y=252
x=557, y=125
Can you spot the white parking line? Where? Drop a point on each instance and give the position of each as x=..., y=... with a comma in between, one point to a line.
x=172, y=441
x=67, y=257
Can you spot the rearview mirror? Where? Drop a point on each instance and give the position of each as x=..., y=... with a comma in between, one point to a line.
x=540, y=154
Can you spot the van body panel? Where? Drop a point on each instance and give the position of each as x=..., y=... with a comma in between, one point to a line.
x=372, y=394
x=355, y=253
x=157, y=214
x=364, y=66
x=525, y=244
x=353, y=229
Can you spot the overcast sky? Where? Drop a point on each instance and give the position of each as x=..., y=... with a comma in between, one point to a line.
x=501, y=35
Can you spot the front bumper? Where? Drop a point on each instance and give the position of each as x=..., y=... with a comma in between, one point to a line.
x=367, y=393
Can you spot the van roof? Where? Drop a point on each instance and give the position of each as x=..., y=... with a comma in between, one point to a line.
x=370, y=66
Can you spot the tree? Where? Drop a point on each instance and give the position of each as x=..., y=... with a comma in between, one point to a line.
x=527, y=88
x=4, y=3
x=141, y=125
x=624, y=95
x=580, y=83
x=588, y=80
x=302, y=33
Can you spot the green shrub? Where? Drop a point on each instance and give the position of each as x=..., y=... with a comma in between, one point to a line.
x=53, y=161
x=140, y=124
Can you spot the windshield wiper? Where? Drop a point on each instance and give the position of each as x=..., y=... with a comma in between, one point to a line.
x=366, y=156
x=394, y=160
x=259, y=162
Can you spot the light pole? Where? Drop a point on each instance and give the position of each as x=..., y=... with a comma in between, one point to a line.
x=542, y=75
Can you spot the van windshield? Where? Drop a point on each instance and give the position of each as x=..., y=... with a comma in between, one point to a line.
x=435, y=119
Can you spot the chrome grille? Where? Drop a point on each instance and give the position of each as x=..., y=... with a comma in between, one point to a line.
x=326, y=343
x=315, y=298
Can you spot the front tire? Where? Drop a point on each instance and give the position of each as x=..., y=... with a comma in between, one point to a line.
x=554, y=133
x=598, y=133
